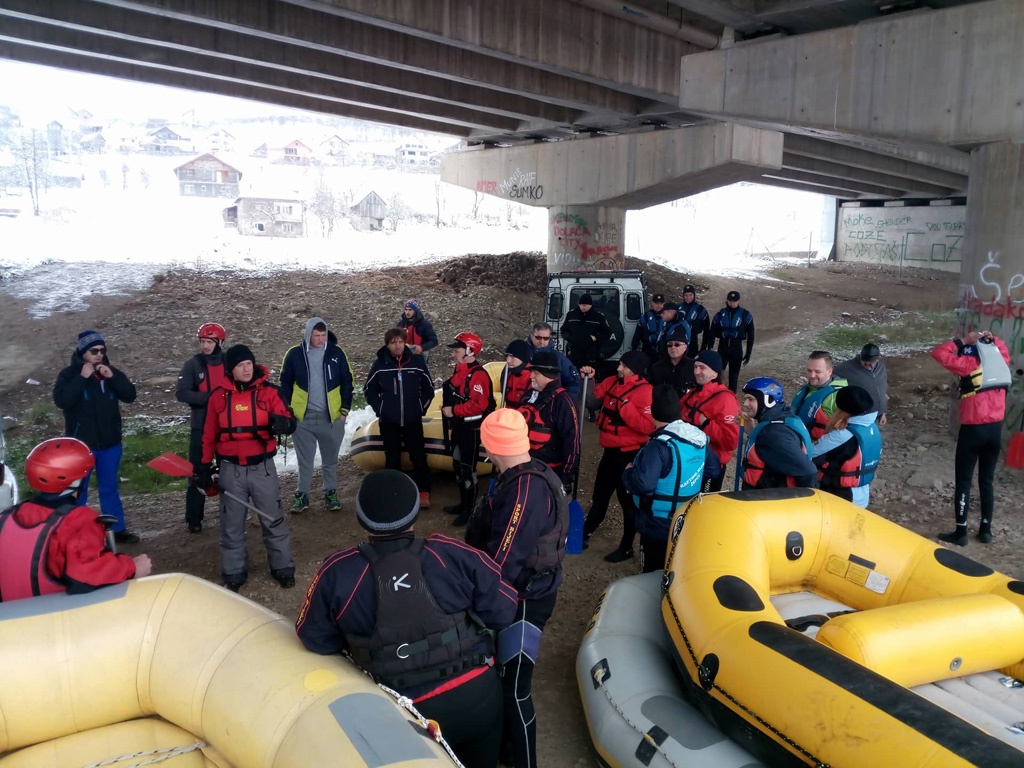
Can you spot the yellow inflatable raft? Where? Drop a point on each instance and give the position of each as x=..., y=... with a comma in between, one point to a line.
x=918, y=651
x=368, y=450
x=180, y=672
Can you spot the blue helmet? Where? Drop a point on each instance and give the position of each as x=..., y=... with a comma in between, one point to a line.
x=768, y=392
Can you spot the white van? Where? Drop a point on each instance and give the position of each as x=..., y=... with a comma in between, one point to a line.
x=620, y=295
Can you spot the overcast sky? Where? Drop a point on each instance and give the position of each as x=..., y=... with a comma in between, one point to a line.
x=38, y=94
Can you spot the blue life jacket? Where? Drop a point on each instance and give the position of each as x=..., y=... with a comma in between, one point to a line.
x=653, y=324
x=869, y=439
x=807, y=406
x=692, y=313
x=681, y=482
x=733, y=324
x=753, y=465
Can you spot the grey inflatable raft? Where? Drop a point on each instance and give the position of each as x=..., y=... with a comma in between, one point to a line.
x=631, y=694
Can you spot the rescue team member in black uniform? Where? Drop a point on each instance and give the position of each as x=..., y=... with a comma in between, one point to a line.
x=650, y=328
x=399, y=390
x=732, y=325
x=467, y=397
x=697, y=317
x=51, y=543
x=522, y=525
x=243, y=420
x=551, y=418
x=199, y=377
x=412, y=612
x=778, y=451
x=585, y=331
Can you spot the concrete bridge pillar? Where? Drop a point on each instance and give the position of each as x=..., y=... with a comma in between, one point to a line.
x=584, y=237
x=992, y=271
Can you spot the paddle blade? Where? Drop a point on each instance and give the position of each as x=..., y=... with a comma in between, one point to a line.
x=1015, y=453
x=574, y=541
x=171, y=464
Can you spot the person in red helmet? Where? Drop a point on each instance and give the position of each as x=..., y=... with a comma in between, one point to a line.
x=467, y=397
x=200, y=377
x=50, y=543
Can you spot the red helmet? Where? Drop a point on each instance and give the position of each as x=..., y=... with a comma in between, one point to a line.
x=473, y=343
x=55, y=464
x=212, y=331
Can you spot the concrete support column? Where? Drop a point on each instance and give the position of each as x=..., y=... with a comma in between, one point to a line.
x=992, y=271
x=584, y=237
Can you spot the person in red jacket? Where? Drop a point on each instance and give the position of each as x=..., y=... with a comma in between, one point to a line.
x=515, y=379
x=625, y=424
x=982, y=362
x=51, y=544
x=467, y=397
x=713, y=408
x=243, y=419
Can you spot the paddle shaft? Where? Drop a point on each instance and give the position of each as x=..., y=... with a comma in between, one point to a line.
x=739, y=459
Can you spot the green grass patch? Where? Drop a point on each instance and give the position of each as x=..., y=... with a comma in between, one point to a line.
x=917, y=329
x=142, y=441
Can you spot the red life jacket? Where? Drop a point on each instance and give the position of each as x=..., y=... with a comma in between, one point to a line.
x=537, y=426
x=609, y=419
x=242, y=418
x=516, y=385
x=753, y=465
x=23, y=555
x=215, y=376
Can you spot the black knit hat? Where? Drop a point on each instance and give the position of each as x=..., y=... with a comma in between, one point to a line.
x=636, y=361
x=546, y=362
x=689, y=289
x=236, y=354
x=665, y=403
x=586, y=298
x=519, y=348
x=711, y=359
x=856, y=401
x=388, y=502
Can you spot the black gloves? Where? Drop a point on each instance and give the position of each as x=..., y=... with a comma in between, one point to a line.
x=746, y=359
x=203, y=476
x=281, y=425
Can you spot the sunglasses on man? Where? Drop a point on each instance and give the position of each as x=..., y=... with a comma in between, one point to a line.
x=96, y=350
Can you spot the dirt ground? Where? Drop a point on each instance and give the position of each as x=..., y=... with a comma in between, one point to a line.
x=151, y=333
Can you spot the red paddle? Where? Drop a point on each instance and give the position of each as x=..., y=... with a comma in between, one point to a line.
x=171, y=464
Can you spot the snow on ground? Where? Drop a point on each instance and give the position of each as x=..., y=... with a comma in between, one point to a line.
x=84, y=239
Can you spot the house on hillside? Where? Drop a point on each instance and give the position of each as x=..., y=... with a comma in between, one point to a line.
x=219, y=140
x=412, y=154
x=267, y=216
x=334, y=149
x=56, y=141
x=167, y=140
x=207, y=176
x=369, y=213
x=292, y=153
x=92, y=142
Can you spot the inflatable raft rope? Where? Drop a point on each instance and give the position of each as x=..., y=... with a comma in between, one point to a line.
x=912, y=655
x=196, y=676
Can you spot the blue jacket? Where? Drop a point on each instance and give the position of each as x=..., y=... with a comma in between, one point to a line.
x=648, y=330
x=783, y=448
x=342, y=598
x=399, y=391
x=659, y=482
x=337, y=374
x=700, y=323
x=567, y=372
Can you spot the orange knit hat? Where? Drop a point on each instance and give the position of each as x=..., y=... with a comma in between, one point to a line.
x=504, y=433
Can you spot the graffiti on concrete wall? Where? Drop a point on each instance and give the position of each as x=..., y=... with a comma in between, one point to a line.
x=578, y=245
x=995, y=302
x=519, y=185
x=926, y=236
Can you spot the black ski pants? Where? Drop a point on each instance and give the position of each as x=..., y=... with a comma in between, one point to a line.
x=470, y=716
x=393, y=436
x=731, y=351
x=195, y=499
x=609, y=480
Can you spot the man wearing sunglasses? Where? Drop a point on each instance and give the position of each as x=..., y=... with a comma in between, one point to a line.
x=90, y=392
x=540, y=338
x=675, y=369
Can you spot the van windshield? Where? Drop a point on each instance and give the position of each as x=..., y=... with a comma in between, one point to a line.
x=606, y=299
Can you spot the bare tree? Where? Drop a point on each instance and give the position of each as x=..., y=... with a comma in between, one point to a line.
x=397, y=211
x=325, y=207
x=478, y=198
x=30, y=154
x=439, y=203
x=144, y=178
